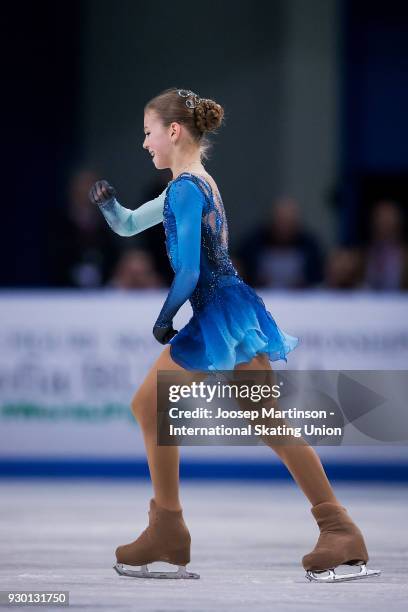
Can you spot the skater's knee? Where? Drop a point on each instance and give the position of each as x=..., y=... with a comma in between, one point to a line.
x=143, y=413
x=134, y=407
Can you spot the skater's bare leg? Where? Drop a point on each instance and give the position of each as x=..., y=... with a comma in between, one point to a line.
x=306, y=468
x=301, y=459
x=163, y=460
x=167, y=537
x=340, y=540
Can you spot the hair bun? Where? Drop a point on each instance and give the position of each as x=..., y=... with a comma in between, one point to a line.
x=208, y=115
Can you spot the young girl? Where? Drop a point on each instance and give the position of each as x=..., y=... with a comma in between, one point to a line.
x=230, y=330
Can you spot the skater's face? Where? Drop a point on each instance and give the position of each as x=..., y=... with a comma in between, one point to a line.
x=159, y=140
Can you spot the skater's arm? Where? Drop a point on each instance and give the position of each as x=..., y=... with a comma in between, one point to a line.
x=126, y=222
x=186, y=201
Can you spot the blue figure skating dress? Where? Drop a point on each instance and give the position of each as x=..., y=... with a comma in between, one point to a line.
x=230, y=323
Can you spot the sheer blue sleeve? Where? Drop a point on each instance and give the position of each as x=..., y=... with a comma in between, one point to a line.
x=126, y=222
x=186, y=200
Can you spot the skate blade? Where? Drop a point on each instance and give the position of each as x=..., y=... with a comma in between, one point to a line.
x=332, y=576
x=145, y=573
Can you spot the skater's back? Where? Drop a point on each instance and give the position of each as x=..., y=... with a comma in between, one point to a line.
x=207, y=260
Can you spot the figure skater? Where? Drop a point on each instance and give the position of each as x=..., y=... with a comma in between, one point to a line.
x=230, y=330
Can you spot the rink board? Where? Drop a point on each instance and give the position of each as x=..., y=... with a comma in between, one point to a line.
x=71, y=361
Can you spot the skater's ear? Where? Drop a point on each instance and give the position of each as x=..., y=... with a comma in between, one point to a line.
x=175, y=130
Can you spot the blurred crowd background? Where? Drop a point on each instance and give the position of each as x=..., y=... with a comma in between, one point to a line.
x=280, y=252
x=312, y=163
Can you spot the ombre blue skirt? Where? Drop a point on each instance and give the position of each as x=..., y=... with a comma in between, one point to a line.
x=229, y=330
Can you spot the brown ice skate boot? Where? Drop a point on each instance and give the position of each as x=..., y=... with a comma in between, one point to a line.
x=165, y=539
x=340, y=543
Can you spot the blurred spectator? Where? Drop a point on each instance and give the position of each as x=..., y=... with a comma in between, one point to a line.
x=386, y=255
x=344, y=269
x=135, y=270
x=281, y=253
x=82, y=248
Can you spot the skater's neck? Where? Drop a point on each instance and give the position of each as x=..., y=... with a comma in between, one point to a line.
x=192, y=164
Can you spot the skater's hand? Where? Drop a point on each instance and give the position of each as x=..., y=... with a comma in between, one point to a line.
x=164, y=334
x=101, y=192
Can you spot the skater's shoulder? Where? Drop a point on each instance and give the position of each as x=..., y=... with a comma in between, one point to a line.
x=185, y=185
x=204, y=184
x=185, y=178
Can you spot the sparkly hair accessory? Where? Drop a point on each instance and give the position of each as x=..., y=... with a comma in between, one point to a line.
x=193, y=100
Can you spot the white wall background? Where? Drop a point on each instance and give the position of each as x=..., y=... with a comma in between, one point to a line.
x=70, y=363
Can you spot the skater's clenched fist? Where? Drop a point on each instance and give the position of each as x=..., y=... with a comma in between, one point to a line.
x=164, y=334
x=101, y=192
